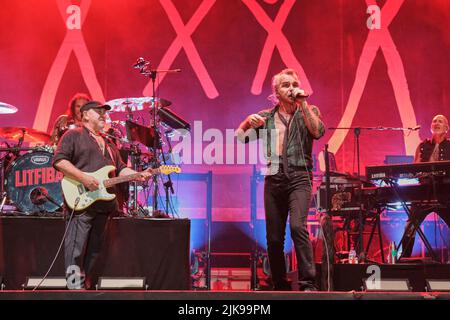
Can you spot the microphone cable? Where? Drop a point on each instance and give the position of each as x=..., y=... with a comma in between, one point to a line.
x=77, y=200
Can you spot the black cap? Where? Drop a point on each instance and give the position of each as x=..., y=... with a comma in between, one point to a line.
x=92, y=105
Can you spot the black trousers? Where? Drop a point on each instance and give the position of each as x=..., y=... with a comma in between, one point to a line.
x=291, y=197
x=86, y=234
x=417, y=216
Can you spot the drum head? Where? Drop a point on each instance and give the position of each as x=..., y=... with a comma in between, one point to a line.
x=33, y=185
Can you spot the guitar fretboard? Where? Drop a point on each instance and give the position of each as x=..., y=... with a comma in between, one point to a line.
x=116, y=180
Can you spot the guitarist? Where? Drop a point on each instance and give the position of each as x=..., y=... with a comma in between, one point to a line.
x=82, y=150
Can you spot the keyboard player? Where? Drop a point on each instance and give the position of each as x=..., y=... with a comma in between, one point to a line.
x=435, y=149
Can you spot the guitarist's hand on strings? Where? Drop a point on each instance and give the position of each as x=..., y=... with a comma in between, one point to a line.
x=144, y=176
x=90, y=183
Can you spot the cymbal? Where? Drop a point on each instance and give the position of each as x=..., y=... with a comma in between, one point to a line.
x=136, y=104
x=6, y=108
x=29, y=135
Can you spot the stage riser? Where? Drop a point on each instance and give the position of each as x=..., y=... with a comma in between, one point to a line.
x=349, y=277
x=155, y=249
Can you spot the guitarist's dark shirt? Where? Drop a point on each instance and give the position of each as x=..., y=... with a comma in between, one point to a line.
x=80, y=148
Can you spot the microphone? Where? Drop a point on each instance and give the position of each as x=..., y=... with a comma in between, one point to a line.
x=110, y=136
x=298, y=93
x=415, y=128
x=140, y=63
x=40, y=195
x=51, y=199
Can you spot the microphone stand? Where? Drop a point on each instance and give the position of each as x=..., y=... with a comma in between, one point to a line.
x=152, y=74
x=146, y=70
x=168, y=185
x=326, y=222
x=51, y=199
x=357, y=132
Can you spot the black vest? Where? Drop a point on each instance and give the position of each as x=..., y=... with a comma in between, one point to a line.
x=427, y=147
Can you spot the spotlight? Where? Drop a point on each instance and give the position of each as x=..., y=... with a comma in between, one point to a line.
x=117, y=283
x=398, y=285
x=50, y=283
x=438, y=285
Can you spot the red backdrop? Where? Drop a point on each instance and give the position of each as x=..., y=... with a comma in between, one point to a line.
x=393, y=76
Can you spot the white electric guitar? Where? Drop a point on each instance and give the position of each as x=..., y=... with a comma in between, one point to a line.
x=79, y=198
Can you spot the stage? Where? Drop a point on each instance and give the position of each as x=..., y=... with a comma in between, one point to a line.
x=157, y=249
x=177, y=84
x=218, y=295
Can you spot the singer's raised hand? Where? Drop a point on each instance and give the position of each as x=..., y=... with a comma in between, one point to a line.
x=255, y=120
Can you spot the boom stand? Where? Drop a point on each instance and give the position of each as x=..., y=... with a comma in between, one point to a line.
x=145, y=70
x=155, y=146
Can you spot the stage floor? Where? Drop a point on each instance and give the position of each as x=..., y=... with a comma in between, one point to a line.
x=217, y=295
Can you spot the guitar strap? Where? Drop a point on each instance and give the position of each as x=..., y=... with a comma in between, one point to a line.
x=107, y=147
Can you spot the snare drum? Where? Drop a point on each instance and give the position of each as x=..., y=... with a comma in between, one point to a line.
x=32, y=184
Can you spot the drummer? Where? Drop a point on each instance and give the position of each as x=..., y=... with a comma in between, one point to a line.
x=70, y=119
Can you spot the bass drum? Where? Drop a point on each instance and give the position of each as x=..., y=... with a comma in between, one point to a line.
x=33, y=185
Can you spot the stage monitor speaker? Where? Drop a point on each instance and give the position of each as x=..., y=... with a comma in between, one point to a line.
x=438, y=284
x=396, y=285
x=50, y=283
x=117, y=283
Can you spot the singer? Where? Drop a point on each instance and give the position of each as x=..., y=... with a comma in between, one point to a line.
x=287, y=192
x=435, y=149
x=82, y=150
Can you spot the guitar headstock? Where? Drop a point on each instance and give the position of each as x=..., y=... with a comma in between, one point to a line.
x=166, y=169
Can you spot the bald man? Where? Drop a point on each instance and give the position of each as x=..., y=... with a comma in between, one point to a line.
x=435, y=149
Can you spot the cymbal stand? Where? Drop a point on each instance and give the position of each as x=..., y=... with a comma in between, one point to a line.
x=135, y=156
x=21, y=139
x=133, y=206
x=2, y=181
x=9, y=150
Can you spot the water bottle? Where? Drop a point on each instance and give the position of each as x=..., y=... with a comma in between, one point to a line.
x=392, y=253
x=352, y=258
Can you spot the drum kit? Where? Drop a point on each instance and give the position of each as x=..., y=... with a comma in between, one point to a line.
x=31, y=186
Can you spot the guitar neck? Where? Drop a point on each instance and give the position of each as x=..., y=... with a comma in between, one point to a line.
x=113, y=181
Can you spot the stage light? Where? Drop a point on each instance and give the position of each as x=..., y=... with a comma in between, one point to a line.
x=397, y=285
x=2, y=285
x=118, y=283
x=50, y=283
x=438, y=284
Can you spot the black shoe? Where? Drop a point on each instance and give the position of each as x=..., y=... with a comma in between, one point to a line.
x=283, y=286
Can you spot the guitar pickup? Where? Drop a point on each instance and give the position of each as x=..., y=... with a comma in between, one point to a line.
x=81, y=189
